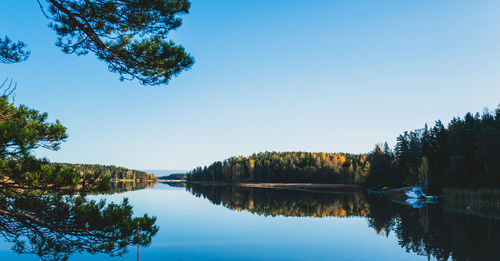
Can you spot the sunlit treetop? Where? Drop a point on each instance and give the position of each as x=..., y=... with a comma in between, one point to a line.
x=22, y=130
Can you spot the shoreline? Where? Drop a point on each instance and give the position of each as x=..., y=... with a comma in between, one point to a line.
x=312, y=187
x=132, y=180
x=460, y=206
x=172, y=180
x=298, y=185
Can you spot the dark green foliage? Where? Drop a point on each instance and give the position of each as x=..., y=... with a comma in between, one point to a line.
x=110, y=171
x=21, y=130
x=287, y=167
x=381, y=166
x=466, y=154
x=32, y=173
x=55, y=226
x=11, y=52
x=130, y=36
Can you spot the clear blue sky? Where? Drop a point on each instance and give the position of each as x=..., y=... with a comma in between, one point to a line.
x=269, y=75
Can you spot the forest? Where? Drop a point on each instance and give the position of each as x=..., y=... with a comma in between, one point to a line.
x=109, y=171
x=131, y=38
x=464, y=154
x=287, y=167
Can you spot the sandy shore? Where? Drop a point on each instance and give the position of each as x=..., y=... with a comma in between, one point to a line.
x=295, y=186
x=299, y=185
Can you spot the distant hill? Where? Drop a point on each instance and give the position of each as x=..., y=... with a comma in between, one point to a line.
x=175, y=176
x=164, y=172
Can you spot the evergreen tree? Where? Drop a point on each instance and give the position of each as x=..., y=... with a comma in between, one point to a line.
x=129, y=36
x=465, y=154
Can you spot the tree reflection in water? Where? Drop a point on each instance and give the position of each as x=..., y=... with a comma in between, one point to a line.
x=430, y=231
x=119, y=187
x=55, y=226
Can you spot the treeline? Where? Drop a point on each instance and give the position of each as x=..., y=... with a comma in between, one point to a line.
x=466, y=153
x=23, y=130
x=287, y=167
x=110, y=171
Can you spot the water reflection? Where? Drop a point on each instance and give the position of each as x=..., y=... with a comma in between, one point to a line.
x=430, y=231
x=273, y=202
x=119, y=187
x=56, y=226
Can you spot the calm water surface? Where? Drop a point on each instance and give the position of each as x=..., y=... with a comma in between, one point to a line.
x=232, y=223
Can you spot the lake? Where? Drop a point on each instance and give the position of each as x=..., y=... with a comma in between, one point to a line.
x=234, y=223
